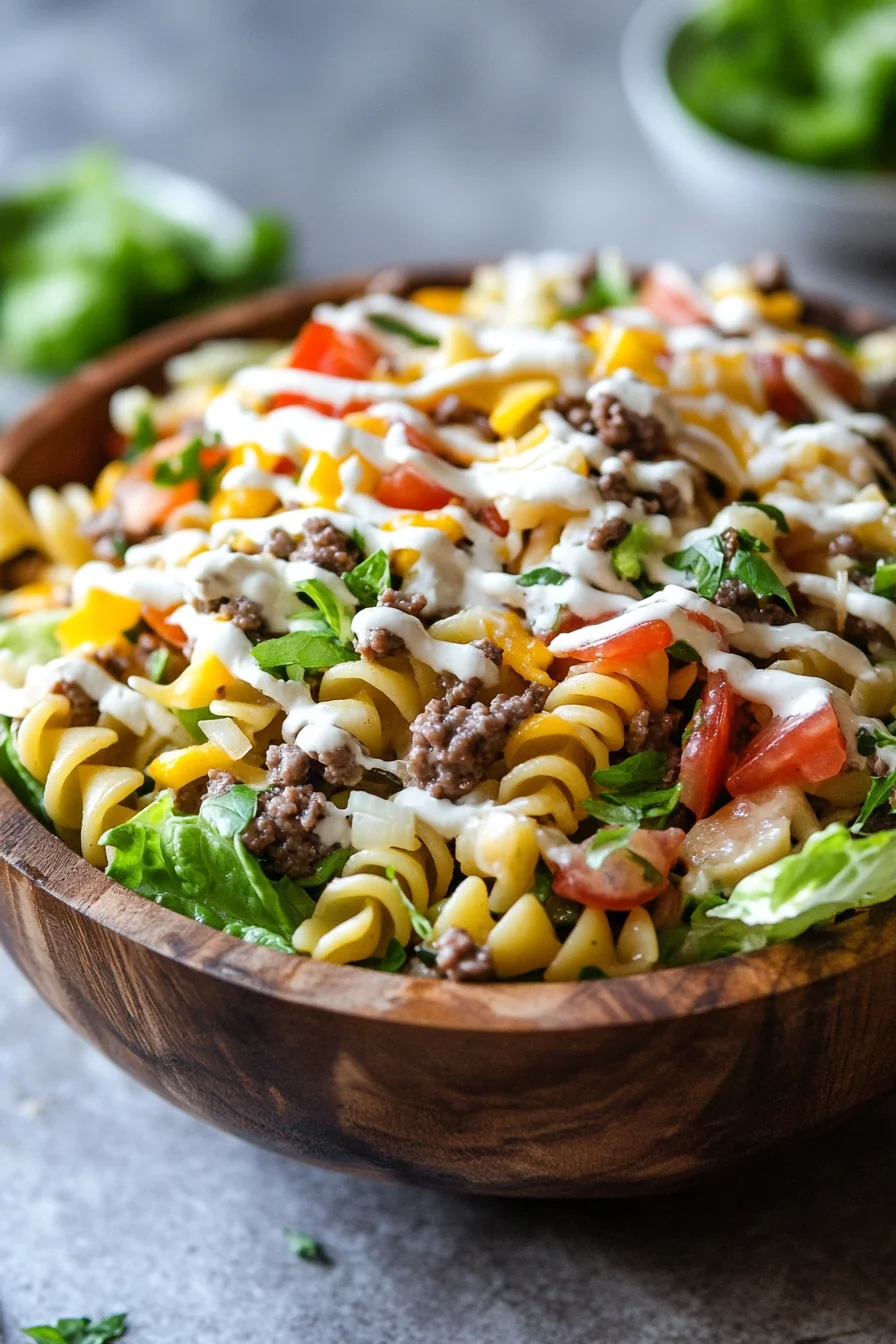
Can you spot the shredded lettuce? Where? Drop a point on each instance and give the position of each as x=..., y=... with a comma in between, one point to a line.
x=27, y=641
x=832, y=873
x=199, y=867
x=26, y=788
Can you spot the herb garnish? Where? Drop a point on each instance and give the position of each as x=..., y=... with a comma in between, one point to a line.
x=884, y=579
x=156, y=664
x=632, y=792
x=395, y=327
x=370, y=579
x=609, y=287
x=143, y=438
x=305, y=1247
x=709, y=566
x=186, y=466
x=683, y=652
x=613, y=839
x=770, y=511
x=80, y=1330
x=318, y=639
x=628, y=554
x=545, y=574
x=419, y=923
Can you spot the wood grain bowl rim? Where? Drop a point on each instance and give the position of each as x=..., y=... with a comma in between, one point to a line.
x=354, y=991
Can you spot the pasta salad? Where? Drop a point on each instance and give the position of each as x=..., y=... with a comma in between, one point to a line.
x=538, y=629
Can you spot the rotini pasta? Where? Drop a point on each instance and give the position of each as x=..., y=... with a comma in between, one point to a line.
x=495, y=632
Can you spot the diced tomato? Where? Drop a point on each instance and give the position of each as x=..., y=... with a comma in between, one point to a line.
x=672, y=298
x=142, y=505
x=637, y=640
x=341, y=354
x=286, y=466
x=791, y=751
x=406, y=487
x=159, y=624
x=423, y=442
x=621, y=882
x=492, y=519
x=707, y=752
x=281, y=399
x=784, y=401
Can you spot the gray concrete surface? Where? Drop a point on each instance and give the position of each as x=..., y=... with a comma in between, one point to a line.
x=391, y=129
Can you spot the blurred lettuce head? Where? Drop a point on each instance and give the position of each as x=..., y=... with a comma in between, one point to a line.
x=808, y=80
x=91, y=254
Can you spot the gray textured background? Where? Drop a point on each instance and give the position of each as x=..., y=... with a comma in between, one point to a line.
x=392, y=131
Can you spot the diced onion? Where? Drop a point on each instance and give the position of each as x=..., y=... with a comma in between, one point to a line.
x=377, y=822
x=225, y=734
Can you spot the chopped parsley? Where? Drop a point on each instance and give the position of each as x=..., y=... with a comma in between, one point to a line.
x=544, y=575
x=80, y=1330
x=369, y=580
x=188, y=465
x=884, y=583
x=143, y=438
x=395, y=327
x=632, y=792
x=708, y=565
x=683, y=652
x=304, y=1247
x=628, y=554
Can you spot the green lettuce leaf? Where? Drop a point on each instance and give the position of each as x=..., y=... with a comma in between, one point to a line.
x=704, y=939
x=369, y=580
x=30, y=640
x=199, y=867
x=832, y=873
x=26, y=788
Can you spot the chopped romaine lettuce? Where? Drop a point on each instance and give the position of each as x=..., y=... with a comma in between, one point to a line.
x=199, y=866
x=832, y=873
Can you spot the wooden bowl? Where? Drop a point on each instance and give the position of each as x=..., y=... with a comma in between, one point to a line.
x=593, y=1088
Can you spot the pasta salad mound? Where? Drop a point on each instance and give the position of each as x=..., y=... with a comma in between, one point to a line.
x=538, y=629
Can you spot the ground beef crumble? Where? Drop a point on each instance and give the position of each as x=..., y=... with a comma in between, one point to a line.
x=242, y=612
x=458, y=957
x=492, y=651
x=656, y=730
x=381, y=642
x=322, y=543
x=411, y=604
x=735, y=596
x=84, y=710
x=281, y=834
x=456, y=739
x=341, y=767
x=452, y=411
x=615, y=486
x=608, y=534
x=619, y=426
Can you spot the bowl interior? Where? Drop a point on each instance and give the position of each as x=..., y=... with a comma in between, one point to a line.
x=62, y=440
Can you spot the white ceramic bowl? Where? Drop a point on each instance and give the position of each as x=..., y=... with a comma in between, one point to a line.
x=849, y=211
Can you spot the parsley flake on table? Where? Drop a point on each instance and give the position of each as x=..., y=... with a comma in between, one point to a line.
x=80, y=1330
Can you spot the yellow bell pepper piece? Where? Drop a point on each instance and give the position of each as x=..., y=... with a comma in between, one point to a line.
x=203, y=680
x=252, y=455
x=634, y=348
x=458, y=345
x=100, y=619
x=244, y=502
x=372, y=423
x=439, y=299
x=518, y=403
x=105, y=483
x=443, y=522
x=320, y=484
x=19, y=532
x=522, y=651
x=175, y=769
x=781, y=309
